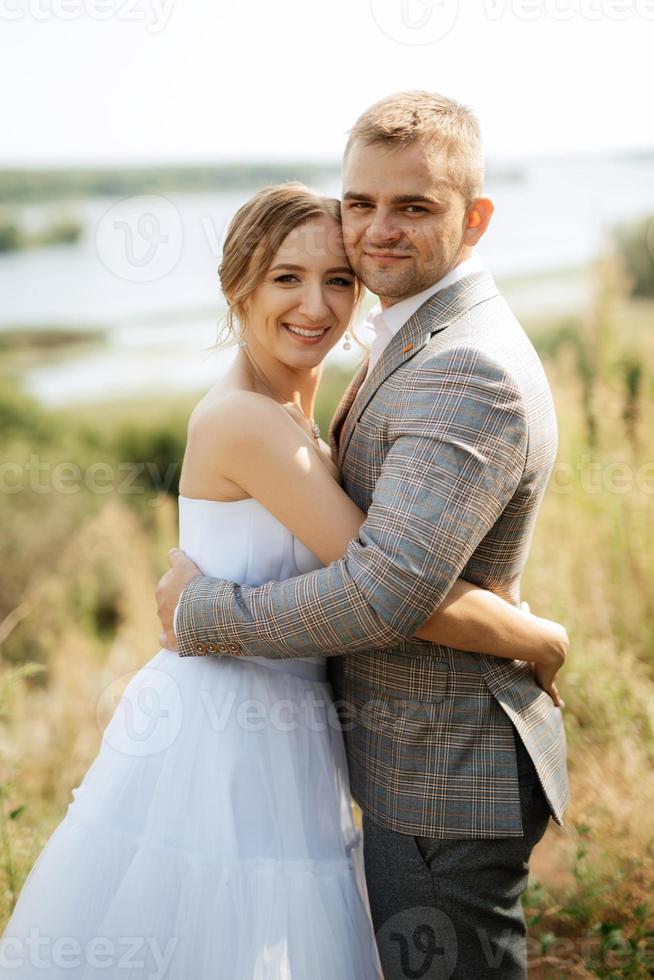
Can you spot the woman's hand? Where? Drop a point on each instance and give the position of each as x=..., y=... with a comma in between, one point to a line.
x=556, y=640
x=551, y=638
x=545, y=678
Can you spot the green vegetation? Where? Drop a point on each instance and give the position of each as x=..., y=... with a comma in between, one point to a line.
x=14, y=236
x=45, y=338
x=44, y=184
x=85, y=537
x=25, y=347
x=635, y=243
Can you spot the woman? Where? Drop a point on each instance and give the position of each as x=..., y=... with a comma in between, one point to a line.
x=212, y=837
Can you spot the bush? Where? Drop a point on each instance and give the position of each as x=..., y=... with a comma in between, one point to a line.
x=22, y=415
x=635, y=242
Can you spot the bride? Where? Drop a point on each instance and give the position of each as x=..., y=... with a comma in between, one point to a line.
x=212, y=837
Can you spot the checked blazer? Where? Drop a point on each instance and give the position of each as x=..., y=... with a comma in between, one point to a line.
x=448, y=446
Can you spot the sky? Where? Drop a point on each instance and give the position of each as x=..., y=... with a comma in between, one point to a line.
x=165, y=81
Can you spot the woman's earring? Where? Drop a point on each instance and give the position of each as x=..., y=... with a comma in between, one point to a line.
x=242, y=343
x=347, y=345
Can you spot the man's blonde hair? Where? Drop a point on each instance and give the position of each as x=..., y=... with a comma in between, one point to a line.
x=431, y=119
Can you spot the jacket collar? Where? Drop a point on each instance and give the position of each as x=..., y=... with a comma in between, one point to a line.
x=437, y=313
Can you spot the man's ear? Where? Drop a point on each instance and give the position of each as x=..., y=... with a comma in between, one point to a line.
x=478, y=218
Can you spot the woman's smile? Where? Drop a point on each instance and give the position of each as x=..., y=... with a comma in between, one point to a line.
x=306, y=335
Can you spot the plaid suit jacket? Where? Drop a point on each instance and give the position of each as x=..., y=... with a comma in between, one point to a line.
x=448, y=446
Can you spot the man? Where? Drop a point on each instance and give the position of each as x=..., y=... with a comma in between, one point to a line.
x=446, y=438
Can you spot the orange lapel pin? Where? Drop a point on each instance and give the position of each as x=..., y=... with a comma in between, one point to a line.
x=407, y=348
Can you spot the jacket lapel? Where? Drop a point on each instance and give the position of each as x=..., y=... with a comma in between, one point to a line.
x=437, y=313
x=344, y=407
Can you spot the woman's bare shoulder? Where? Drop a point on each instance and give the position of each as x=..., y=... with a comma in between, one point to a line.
x=225, y=431
x=240, y=421
x=238, y=411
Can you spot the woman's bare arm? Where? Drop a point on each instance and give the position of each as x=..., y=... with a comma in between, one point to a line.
x=486, y=623
x=252, y=442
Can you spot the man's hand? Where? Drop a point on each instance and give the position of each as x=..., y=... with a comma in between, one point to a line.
x=168, y=591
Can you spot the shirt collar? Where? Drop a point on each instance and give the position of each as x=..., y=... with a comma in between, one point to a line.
x=393, y=319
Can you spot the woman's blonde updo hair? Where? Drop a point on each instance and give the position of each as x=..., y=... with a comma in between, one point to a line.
x=254, y=236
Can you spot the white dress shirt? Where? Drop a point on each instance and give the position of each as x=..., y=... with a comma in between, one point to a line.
x=386, y=323
x=175, y=619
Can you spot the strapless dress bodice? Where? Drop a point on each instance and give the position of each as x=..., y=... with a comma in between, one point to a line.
x=241, y=541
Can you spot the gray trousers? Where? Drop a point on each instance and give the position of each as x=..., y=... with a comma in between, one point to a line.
x=451, y=908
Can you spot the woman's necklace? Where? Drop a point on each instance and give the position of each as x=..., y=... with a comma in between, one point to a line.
x=315, y=428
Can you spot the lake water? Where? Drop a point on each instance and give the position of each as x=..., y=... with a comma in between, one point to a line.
x=145, y=269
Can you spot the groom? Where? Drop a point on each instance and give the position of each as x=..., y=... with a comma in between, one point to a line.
x=446, y=438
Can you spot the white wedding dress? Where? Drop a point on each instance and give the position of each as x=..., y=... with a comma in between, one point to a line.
x=212, y=836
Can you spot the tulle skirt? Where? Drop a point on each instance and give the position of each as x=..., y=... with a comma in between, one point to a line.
x=211, y=838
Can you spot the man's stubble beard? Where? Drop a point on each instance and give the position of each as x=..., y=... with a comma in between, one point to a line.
x=394, y=287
